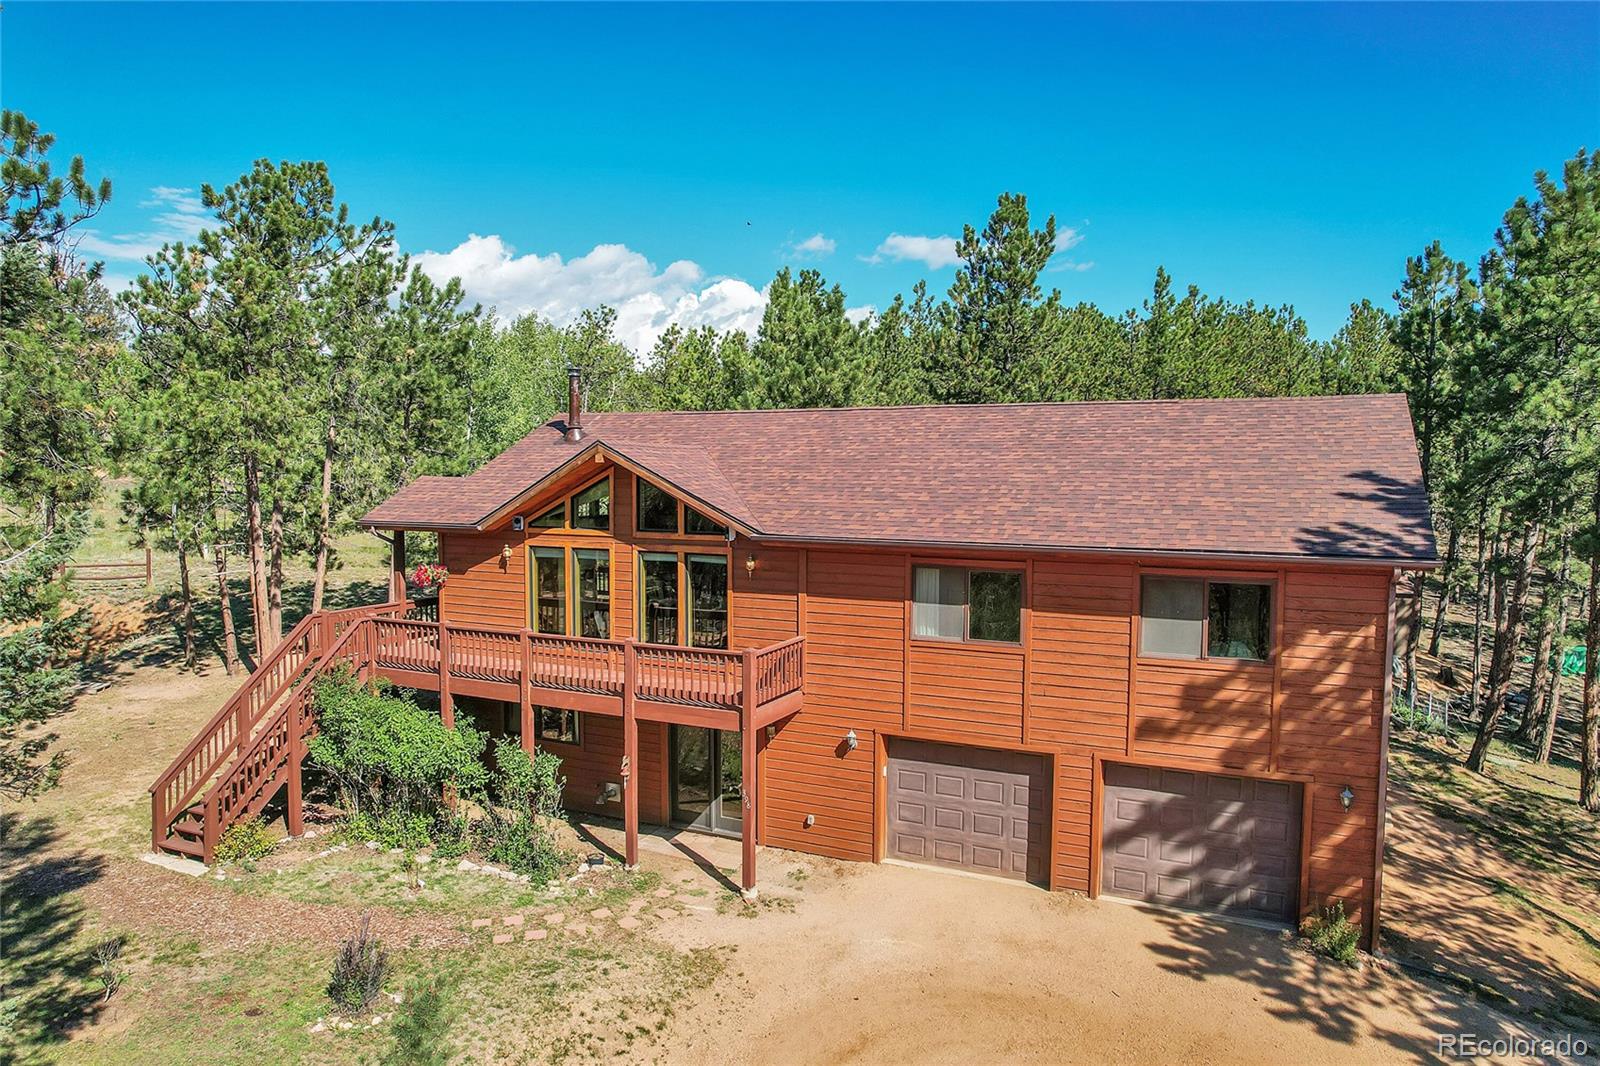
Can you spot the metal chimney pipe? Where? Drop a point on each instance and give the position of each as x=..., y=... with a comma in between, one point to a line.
x=574, y=405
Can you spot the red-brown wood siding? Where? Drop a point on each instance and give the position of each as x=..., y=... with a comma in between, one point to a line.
x=483, y=588
x=1081, y=628
x=1334, y=635
x=1214, y=713
x=811, y=771
x=599, y=760
x=957, y=688
x=855, y=638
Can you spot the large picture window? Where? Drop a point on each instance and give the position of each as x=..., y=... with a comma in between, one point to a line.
x=591, y=508
x=708, y=600
x=1196, y=618
x=658, y=511
x=957, y=603
x=658, y=598
x=549, y=590
x=593, y=568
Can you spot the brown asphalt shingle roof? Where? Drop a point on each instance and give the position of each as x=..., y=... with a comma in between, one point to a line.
x=1318, y=477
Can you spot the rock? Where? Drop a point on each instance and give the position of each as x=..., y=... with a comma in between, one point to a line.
x=512, y=919
x=502, y=938
x=377, y=1019
x=602, y=912
x=319, y=1027
x=663, y=893
x=373, y=845
x=554, y=918
x=424, y=859
x=666, y=912
x=630, y=922
x=535, y=934
x=481, y=923
x=466, y=864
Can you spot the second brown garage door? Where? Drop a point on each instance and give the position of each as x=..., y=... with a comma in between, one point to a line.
x=968, y=808
x=1201, y=841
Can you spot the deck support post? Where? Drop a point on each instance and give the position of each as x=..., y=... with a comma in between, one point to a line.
x=525, y=690
x=295, y=815
x=748, y=775
x=447, y=706
x=630, y=757
x=397, y=567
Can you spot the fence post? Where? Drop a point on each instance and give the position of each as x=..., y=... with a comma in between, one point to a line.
x=747, y=776
x=296, y=811
x=630, y=757
x=147, y=568
x=525, y=690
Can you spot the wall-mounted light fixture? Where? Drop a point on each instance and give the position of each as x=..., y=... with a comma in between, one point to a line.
x=1347, y=797
x=505, y=553
x=750, y=563
x=810, y=821
x=772, y=732
x=850, y=741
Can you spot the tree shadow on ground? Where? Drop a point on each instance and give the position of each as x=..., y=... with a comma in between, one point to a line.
x=48, y=983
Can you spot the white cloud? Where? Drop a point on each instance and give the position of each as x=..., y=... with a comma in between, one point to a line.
x=646, y=300
x=858, y=315
x=178, y=216
x=1067, y=237
x=935, y=252
x=815, y=246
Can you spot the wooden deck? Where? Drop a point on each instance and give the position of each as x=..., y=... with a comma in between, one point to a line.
x=254, y=746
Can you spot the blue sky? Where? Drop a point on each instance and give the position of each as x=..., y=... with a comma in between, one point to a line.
x=670, y=159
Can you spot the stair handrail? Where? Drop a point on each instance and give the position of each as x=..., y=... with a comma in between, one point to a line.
x=313, y=628
x=242, y=759
x=307, y=628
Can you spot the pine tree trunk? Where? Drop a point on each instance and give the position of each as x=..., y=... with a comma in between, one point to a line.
x=1538, y=682
x=1589, y=785
x=256, y=548
x=1552, y=701
x=1414, y=630
x=1477, y=608
x=324, y=521
x=230, y=640
x=186, y=592
x=1508, y=634
x=1451, y=555
x=275, y=570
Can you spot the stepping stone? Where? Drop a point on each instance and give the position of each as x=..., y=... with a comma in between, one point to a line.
x=502, y=938
x=481, y=923
x=636, y=906
x=630, y=922
x=578, y=929
x=535, y=934
x=512, y=919
x=555, y=918
x=666, y=912
x=663, y=893
x=603, y=912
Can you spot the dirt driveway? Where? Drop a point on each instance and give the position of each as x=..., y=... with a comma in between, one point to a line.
x=879, y=964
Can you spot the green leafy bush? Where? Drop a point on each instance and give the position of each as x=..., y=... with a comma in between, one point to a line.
x=421, y=1028
x=358, y=969
x=524, y=845
x=243, y=842
x=392, y=829
x=533, y=785
x=1332, y=934
x=387, y=754
x=452, y=836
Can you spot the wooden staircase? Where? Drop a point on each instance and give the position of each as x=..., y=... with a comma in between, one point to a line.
x=254, y=745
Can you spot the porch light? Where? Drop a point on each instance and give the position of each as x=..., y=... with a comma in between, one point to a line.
x=750, y=563
x=1347, y=797
x=850, y=742
x=505, y=552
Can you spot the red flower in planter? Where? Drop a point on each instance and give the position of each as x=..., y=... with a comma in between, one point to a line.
x=429, y=575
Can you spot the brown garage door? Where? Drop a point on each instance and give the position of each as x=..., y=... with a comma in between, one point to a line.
x=969, y=808
x=1202, y=841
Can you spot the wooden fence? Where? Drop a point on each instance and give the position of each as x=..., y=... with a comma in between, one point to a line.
x=132, y=570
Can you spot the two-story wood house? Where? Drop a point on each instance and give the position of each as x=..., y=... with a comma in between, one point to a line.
x=1138, y=650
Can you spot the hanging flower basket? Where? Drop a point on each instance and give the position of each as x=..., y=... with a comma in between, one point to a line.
x=429, y=576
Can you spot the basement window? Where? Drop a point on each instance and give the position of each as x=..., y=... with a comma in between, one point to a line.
x=955, y=603
x=557, y=724
x=1196, y=618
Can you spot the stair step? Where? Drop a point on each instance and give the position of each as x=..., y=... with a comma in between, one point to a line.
x=187, y=847
x=189, y=827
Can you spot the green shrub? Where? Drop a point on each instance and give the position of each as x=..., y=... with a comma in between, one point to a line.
x=392, y=829
x=421, y=1028
x=358, y=969
x=243, y=842
x=451, y=836
x=525, y=784
x=387, y=754
x=1332, y=934
x=524, y=845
